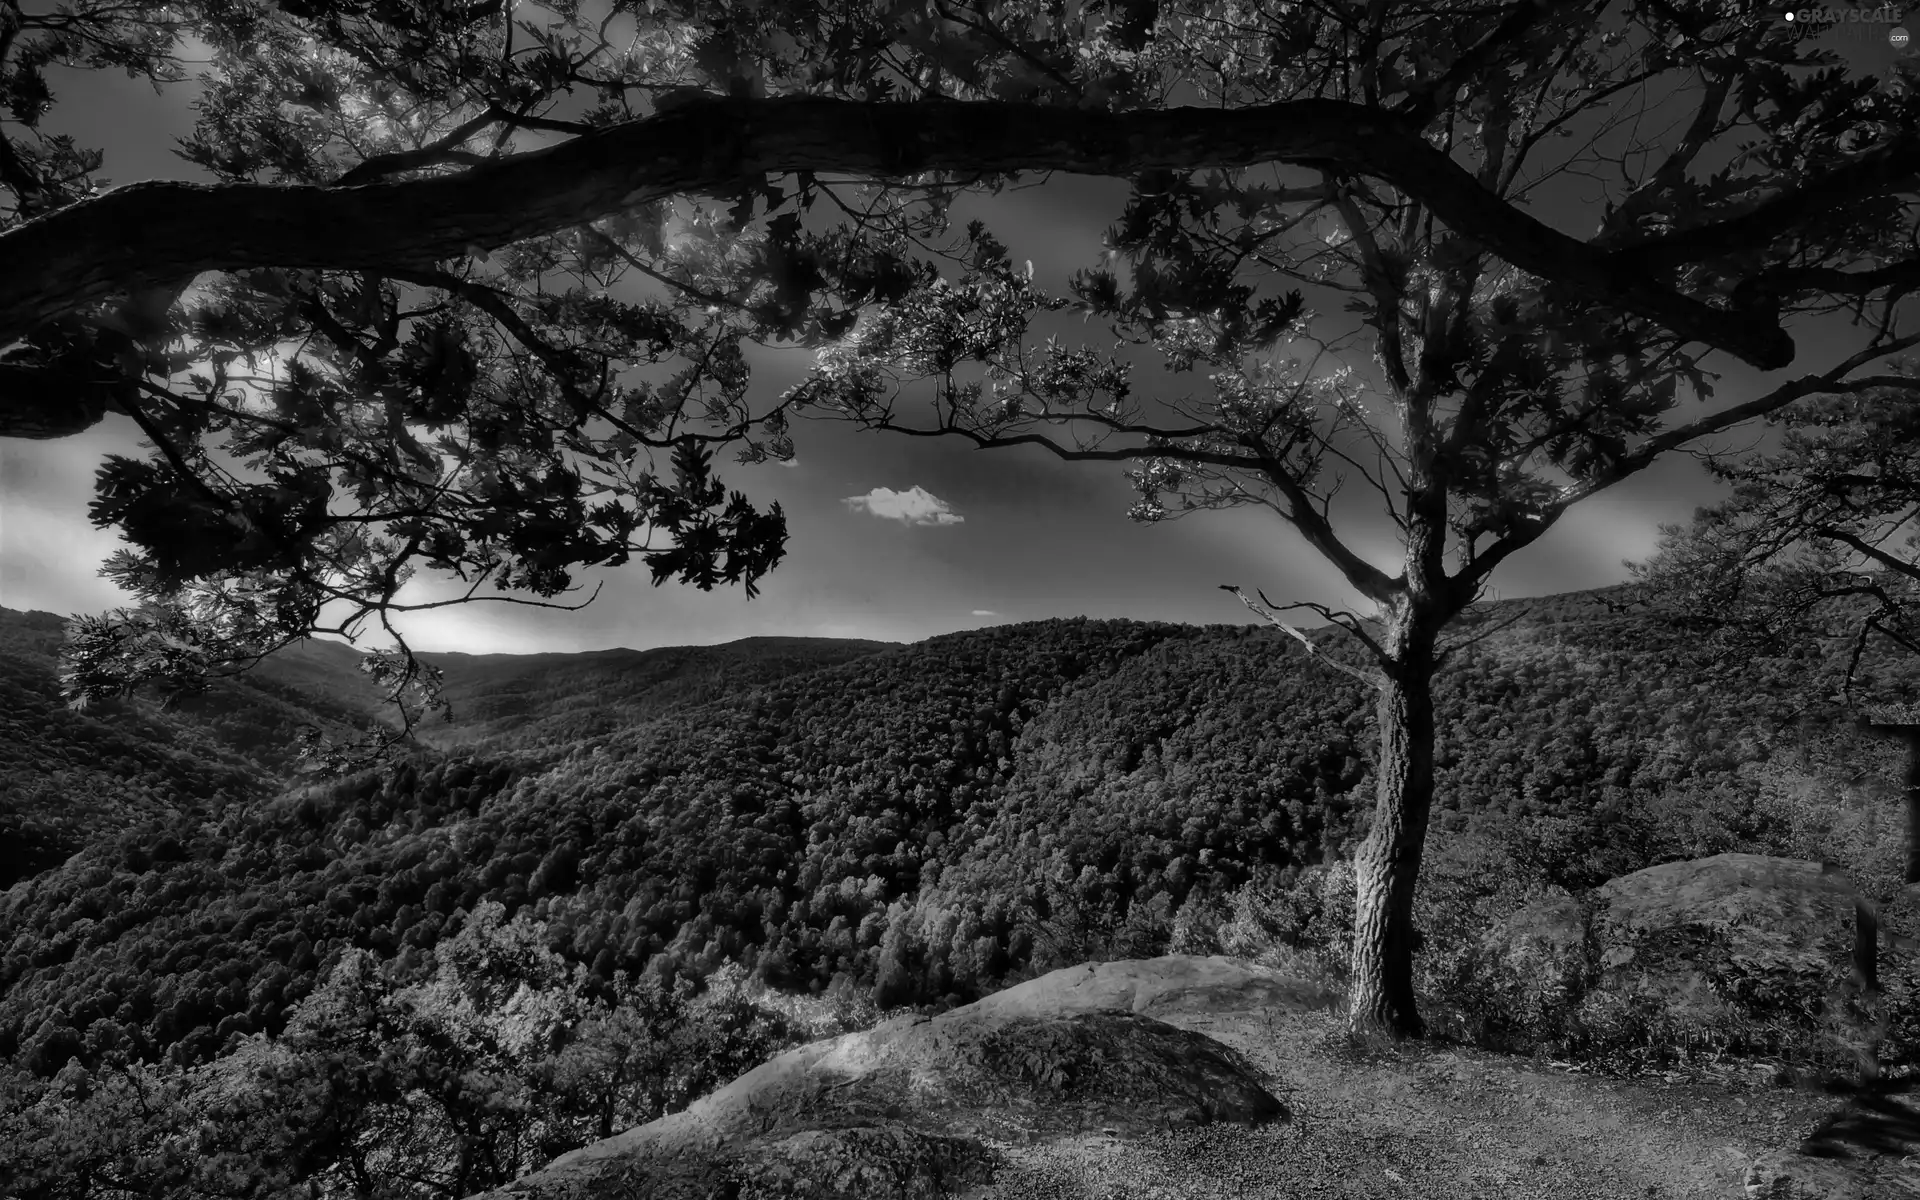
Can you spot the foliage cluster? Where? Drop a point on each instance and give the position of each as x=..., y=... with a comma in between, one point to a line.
x=435, y=1078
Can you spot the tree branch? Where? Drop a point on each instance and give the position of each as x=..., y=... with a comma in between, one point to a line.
x=1423, y=104
x=1891, y=169
x=446, y=149
x=1371, y=679
x=1773, y=286
x=1371, y=581
x=146, y=232
x=1797, y=389
x=1890, y=561
x=1658, y=187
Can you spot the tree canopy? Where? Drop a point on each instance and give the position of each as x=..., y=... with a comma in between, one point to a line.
x=471, y=288
x=1816, y=538
x=467, y=269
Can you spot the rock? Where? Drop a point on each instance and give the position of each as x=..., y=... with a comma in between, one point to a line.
x=909, y=1108
x=1690, y=952
x=1171, y=985
x=1732, y=940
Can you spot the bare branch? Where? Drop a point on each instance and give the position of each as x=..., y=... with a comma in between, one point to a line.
x=1370, y=678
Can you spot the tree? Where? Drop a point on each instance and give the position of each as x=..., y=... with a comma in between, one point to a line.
x=443, y=281
x=318, y=432
x=1815, y=546
x=1813, y=550
x=1514, y=395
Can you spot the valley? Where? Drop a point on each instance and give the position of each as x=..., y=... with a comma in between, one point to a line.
x=860, y=827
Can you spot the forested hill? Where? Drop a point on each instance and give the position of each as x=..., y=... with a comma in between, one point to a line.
x=538, y=699
x=67, y=778
x=925, y=822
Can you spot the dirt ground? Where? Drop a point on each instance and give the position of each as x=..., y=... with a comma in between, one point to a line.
x=1441, y=1123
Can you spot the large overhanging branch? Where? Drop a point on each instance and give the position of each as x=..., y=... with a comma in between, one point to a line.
x=140, y=234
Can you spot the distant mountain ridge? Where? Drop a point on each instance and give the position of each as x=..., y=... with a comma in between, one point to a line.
x=522, y=700
x=68, y=777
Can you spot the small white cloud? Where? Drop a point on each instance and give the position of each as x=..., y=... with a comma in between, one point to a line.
x=915, y=506
x=985, y=612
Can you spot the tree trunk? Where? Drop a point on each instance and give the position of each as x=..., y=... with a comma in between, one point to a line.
x=1388, y=864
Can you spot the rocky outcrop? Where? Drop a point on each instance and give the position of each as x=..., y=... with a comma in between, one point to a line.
x=1700, y=951
x=914, y=1107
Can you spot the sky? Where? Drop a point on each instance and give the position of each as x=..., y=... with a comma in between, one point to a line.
x=891, y=538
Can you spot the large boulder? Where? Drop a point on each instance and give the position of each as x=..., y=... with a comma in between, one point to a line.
x=912, y=1107
x=1744, y=952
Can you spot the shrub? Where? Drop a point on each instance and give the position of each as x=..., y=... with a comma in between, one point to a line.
x=1298, y=922
x=1495, y=994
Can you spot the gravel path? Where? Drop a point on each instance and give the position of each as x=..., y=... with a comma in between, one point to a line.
x=1441, y=1123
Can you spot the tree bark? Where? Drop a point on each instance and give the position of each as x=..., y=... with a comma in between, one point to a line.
x=146, y=233
x=1387, y=867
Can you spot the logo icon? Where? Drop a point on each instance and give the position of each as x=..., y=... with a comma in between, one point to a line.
x=1897, y=37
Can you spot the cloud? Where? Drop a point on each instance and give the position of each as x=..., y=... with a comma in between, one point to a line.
x=915, y=506
x=985, y=612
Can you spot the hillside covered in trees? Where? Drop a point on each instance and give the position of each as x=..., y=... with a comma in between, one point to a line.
x=835, y=822
x=69, y=777
x=913, y=825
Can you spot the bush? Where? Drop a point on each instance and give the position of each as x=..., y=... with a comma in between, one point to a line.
x=1472, y=883
x=1299, y=922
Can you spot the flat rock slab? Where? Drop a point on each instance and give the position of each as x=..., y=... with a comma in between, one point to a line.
x=908, y=1109
x=1166, y=987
